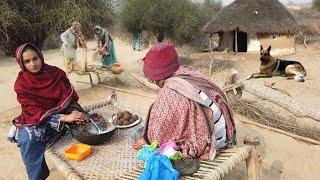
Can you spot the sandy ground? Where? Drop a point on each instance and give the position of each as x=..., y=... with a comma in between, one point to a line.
x=282, y=157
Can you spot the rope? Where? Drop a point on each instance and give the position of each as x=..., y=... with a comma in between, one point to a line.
x=121, y=90
x=62, y=166
x=296, y=137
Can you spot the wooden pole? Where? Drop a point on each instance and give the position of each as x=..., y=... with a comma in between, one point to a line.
x=121, y=90
x=253, y=162
x=91, y=82
x=144, y=81
x=210, y=42
x=236, y=41
x=211, y=51
x=294, y=136
x=210, y=67
x=305, y=42
x=84, y=60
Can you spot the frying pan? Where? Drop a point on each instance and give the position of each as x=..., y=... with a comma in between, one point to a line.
x=93, y=137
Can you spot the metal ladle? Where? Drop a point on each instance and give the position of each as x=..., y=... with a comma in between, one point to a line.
x=95, y=125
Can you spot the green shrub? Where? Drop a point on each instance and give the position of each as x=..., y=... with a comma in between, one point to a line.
x=32, y=21
x=316, y=4
x=177, y=19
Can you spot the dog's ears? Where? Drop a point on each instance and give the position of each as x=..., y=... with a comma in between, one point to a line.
x=269, y=48
x=261, y=48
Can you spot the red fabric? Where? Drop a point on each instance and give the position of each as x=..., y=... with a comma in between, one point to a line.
x=160, y=62
x=41, y=93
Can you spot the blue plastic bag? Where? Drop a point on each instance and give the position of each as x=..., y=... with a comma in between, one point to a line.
x=146, y=153
x=159, y=167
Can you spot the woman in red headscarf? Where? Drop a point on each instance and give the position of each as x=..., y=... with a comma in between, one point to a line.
x=190, y=109
x=45, y=94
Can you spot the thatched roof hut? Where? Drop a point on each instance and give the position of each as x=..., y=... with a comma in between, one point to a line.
x=253, y=20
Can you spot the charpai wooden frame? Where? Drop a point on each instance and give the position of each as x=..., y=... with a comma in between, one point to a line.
x=224, y=163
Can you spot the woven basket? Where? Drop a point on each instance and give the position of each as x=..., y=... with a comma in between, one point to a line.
x=116, y=68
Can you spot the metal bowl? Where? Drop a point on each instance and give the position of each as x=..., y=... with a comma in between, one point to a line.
x=94, y=138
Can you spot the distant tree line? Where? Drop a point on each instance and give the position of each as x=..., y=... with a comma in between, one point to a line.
x=316, y=4
x=178, y=19
x=32, y=21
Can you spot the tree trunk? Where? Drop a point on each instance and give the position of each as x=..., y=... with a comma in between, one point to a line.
x=40, y=39
x=160, y=36
x=236, y=41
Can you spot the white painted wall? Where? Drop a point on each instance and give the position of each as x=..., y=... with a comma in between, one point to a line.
x=253, y=43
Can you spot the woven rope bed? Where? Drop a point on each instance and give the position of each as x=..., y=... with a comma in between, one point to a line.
x=225, y=162
x=116, y=159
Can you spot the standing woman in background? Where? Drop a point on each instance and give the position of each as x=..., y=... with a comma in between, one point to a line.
x=72, y=39
x=104, y=46
x=137, y=41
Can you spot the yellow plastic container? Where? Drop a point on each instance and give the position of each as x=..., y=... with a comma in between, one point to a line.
x=78, y=152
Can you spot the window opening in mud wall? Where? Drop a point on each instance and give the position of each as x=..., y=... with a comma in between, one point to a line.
x=241, y=40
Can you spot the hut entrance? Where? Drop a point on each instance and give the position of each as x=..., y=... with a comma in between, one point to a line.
x=241, y=41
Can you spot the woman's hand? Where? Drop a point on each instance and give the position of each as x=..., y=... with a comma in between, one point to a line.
x=97, y=51
x=138, y=144
x=74, y=116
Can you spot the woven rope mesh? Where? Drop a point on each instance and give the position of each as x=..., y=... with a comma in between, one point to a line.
x=108, y=160
x=116, y=158
x=224, y=163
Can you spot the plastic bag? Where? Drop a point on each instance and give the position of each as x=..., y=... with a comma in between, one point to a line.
x=171, y=150
x=148, y=151
x=159, y=167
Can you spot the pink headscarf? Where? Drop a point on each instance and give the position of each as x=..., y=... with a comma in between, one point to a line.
x=160, y=62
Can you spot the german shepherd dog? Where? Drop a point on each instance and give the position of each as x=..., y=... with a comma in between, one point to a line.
x=271, y=66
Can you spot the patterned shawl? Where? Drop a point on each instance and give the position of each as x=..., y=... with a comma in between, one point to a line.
x=174, y=116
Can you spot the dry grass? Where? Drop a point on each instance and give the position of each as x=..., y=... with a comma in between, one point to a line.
x=217, y=64
x=270, y=118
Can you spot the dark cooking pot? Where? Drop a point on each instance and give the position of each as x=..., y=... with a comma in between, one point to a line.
x=93, y=138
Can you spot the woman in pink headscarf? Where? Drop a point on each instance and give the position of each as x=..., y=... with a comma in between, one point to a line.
x=190, y=109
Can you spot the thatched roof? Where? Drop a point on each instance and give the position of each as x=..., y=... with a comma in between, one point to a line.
x=308, y=20
x=253, y=16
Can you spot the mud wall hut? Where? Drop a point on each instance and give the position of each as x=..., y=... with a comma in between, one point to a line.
x=244, y=25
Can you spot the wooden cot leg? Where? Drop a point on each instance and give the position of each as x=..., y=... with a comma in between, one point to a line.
x=99, y=78
x=210, y=67
x=253, y=161
x=91, y=82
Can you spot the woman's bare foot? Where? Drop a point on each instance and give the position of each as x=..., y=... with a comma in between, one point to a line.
x=138, y=144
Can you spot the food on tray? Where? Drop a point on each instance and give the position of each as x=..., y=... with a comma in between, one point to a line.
x=86, y=126
x=85, y=132
x=125, y=118
x=96, y=117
